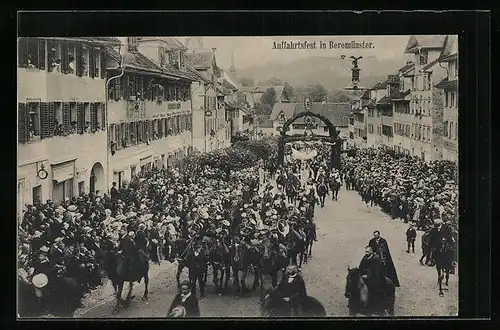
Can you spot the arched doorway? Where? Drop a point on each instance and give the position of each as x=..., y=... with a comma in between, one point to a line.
x=333, y=138
x=97, y=181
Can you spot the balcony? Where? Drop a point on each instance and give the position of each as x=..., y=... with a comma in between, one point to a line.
x=118, y=111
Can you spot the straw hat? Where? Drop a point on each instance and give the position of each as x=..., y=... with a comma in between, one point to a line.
x=40, y=281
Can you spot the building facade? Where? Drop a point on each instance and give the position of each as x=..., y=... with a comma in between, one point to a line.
x=426, y=103
x=403, y=120
x=449, y=86
x=149, y=107
x=374, y=118
x=61, y=117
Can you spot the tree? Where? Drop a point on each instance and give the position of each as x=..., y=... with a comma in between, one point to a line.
x=338, y=96
x=269, y=97
x=288, y=90
x=247, y=82
x=317, y=93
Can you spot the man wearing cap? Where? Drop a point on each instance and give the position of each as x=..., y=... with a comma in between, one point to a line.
x=291, y=288
x=380, y=247
x=186, y=300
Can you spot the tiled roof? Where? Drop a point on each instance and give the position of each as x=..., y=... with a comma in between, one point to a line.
x=429, y=65
x=200, y=60
x=337, y=113
x=192, y=70
x=384, y=101
x=398, y=96
x=366, y=95
x=448, y=85
x=407, y=67
x=136, y=60
x=267, y=124
x=380, y=85
x=226, y=84
x=416, y=42
x=287, y=108
x=370, y=104
x=450, y=47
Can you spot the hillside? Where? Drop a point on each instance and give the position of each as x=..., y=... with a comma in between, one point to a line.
x=332, y=73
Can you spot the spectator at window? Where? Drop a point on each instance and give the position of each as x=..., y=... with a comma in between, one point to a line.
x=72, y=129
x=59, y=131
x=155, y=136
x=71, y=64
x=30, y=61
x=87, y=127
x=124, y=142
x=98, y=128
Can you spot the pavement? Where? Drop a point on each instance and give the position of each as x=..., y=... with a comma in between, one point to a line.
x=344, y=229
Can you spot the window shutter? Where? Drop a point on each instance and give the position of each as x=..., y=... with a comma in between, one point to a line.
x=124, y=82
x=79, y=60
x=103, y=116
x=22, y=123
x=65, y=59
x=91, y=63
x=103, y=65
x=66, y=118
x=44, y=120
x=80, y=118
x=117, y=89
x=52, y=118
x=41, y=54
x=93, y=117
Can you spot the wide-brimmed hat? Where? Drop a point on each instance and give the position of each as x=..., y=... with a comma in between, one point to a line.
x=203, y=213
x=40, y=281
x=37, y=234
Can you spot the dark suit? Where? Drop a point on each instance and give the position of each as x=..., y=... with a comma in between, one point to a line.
x=196, y=271
x=294, y=290
x=191, y=305
x=381, y=248
x=374, y=269
x=411, y=235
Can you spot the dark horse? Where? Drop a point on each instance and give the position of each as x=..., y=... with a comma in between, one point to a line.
x=220, y=259
x=291, y=190
x=356, y=290
x=241, y=259
x=444, y=255
x=334, y=187
x=121, y=270
x=272, y=306
x=296, y=247
x=270, y=264
x=322, y=191
x=281, y=180
x=309, y=231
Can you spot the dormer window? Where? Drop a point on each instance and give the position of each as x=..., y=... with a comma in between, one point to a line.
x=173, y=58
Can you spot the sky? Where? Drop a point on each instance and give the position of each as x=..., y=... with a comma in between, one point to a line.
x=254, y=51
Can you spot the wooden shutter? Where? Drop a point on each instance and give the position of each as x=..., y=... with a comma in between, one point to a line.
x=92, y=68
x=65, y=59
x=80, y=118
x=22, y=123
x=125, y=88
x=52, y=118
x=44, y=120
x=103, y=116
x=66, y=118
x=41, y=54
x=93, y=117
x=79, y=60
x=103, y=65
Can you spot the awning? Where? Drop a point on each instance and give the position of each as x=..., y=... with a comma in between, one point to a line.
x=64, y=172
x=146, y=160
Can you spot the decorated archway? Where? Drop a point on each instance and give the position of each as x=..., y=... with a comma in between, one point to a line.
x=333, y=138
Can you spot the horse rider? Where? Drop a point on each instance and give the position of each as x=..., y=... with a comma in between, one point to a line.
x=372, y=272
x=127, y=247
x=291, y=288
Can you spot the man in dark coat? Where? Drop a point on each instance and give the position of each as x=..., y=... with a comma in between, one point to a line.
x=198, y=268
x=411, y=236
x=291, y=288
x=380, y=247
x=372, y=271
x=128, y=248
x=185, y=303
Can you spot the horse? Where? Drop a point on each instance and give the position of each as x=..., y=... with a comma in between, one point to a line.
x=281, y=180
x=120, y=271
x=291, y=191
x=270, y=264
x=334, y=187
x=241, y=260
x=356, y=290
x=309, y=231
x=296, y=247
x=444, y=255
x=220, y=259
x=272, y=306
x=322, y=191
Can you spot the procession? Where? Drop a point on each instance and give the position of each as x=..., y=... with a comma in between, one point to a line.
x=151, y=170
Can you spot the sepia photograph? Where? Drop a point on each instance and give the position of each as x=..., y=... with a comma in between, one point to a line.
x=237, y=177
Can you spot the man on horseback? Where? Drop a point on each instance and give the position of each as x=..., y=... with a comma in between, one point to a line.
x=373, y=274
x=291, y=288
x=127, y=248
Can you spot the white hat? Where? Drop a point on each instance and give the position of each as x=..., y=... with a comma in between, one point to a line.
x=40, y=280
x=218, y=217
x=243, y=215
x=37, y=233
x=245, y=206
x=226, y=223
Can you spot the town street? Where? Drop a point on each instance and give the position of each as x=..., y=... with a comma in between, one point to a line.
x=344, y=229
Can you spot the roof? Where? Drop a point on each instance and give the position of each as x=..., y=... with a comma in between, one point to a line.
x=263, y=88
x=450, y=49
x=380, y=85
x=232, y=78
x=227, y=85
x=200, y=60
x=287, y=108
x=337, y=113
x=398, y=96
x=448, y=85
x=267, y=124
x=172, y=43
x=408, y=66
x=366, y=95
x=191, y=69
x=429, y=65
x=429, y=42
x=384, y=101
x=138, y=61
x=393, y=79
x=106, y=41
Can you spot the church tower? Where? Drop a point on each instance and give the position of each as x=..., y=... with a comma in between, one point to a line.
x=232, y=69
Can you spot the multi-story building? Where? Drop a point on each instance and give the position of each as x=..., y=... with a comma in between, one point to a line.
x=61, y=117
x=149, y=106
x=449, y=85
x=374, y=115
x=211, y=130
x=426, y=103
x=357, y=119
x=403, y=120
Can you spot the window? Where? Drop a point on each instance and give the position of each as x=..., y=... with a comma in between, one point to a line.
x=453, y=100
x=428, y=133
x=81, y=188
x=423, y=57
x=173, y=58
x=450, y=130
x=85, y=61
x=31, y=53
x=33, y=119
x=133, y=171
x=37, y=194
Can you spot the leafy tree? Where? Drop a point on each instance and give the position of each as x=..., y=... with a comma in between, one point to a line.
x=247, y=82
x=288, y=89
x=338, y=96
x=317, y=93
x=269, y=97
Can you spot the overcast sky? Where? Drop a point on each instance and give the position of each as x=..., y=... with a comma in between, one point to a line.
x=252, y=51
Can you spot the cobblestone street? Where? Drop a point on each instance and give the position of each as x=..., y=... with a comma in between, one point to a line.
x=344, y=228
